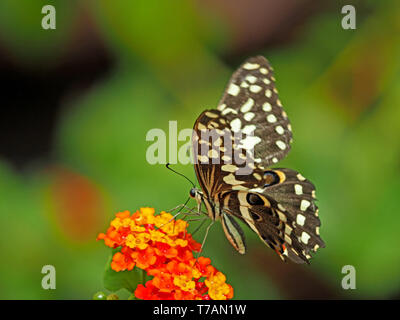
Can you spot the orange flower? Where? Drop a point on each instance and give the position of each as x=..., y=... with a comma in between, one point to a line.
x=164, y=282
x=121, y=262
x=139, y=241
x=203, y=265
x=183, y=282
x=144, y=258
x=162, y=247
x=151, y=292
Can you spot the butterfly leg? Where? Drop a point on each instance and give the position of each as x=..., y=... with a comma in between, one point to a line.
x=181, y=206
x=191, y=212
x=184, y=206
x=202, y=219
x=205, y=237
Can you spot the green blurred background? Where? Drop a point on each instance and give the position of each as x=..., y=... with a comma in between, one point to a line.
x=77, y=102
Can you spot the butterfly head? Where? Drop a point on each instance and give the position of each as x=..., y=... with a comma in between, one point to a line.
x=196, y=194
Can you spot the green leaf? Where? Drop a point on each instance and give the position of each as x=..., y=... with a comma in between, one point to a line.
x=115, y=281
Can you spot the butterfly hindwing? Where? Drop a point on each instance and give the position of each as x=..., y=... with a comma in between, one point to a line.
x=291, y=230
x=233, y=232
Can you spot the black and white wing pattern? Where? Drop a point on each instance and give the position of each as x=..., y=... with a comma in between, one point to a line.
x=233, y=147
x=251, y=104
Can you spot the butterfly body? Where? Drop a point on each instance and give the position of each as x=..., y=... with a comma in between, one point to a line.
x=234, y=147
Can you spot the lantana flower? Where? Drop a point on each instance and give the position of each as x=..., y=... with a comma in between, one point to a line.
x=162, y=247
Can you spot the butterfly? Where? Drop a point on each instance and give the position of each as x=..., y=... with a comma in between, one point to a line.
x=234, y=146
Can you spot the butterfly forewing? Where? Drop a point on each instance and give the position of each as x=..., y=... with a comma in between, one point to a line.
x=251, y=104
x=233, y=145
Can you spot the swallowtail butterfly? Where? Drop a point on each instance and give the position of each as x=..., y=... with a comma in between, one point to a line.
x=234, y=147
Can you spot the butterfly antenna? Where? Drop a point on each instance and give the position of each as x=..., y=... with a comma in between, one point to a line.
x=168, y=167
x=184, y=205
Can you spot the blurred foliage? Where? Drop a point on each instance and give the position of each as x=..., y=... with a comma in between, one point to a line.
x=341, y=89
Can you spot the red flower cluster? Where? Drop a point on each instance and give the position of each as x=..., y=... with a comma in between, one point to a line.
x=163, y=248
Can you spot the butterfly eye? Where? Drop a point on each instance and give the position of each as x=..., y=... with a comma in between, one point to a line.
x=254, y=199
x=270, y=178
x=192, y=193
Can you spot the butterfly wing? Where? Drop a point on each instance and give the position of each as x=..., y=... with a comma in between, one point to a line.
x=249, y=124
x=251, y=104
x=281, y=211
x=250, y=130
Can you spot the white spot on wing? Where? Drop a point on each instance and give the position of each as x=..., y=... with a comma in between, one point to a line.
x=213, y=153
x=281, y=145
x=229, y=168
x=239, y=188
x=288, y=229
x=300, y=177
x=298, y=189
x=247, y=106
x=300, y=219
x=267, y=107
x=271, y=118
x=305, y=237
x=257, y=176
x=255, y=88
x=233, y=89
x=236, y=124
x=279, y=130
x=251, y=79
x=211, y=115
x=251, y=66
x=282, y=216
x=228, y=110
x=203, y=158
x=249, y=129
x=249, y=142
x=304, y=205
x=259, y=190
x=221, y=107
x=230, y=179
x=287, y=239
x=218, y=142
x=249, y=116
